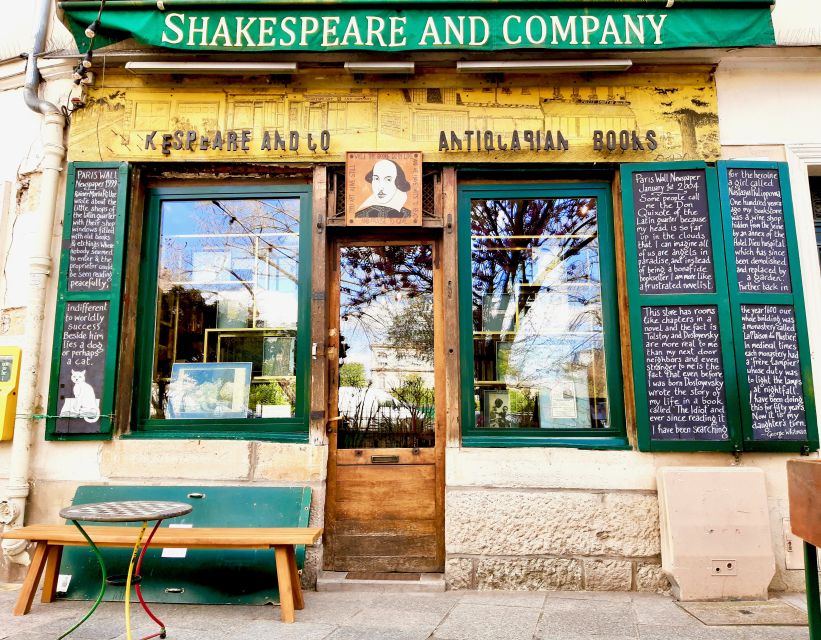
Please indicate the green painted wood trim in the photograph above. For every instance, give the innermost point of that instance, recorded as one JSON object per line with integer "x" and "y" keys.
{"x": 113, "y": 297}
{"x": 294, "y": 429}
{"x": 540, "y": 440}
{"x": 615, "y": 435}
{"x": 794, "y": 299}
{"x": 300, "y": 437}
{"x": 719, "y": 299}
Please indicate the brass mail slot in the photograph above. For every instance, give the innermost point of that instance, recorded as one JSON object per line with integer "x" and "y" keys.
{"x": 384, "y": 459}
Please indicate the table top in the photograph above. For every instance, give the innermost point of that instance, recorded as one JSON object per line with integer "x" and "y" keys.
{"x": 125, "y": 511}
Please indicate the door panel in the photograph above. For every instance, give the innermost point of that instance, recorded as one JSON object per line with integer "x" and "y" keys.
{"x": 385, "y": 465}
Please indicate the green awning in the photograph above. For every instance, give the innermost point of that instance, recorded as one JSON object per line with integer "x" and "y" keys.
{"x": 346, "y": 25}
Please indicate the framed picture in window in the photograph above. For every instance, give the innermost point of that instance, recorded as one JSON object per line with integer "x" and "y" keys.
{"x": 278, "y": 356}
{"x": 498, "y": 313}
{"x": 497, "y": 409}
{"x": 383, "y": 188}
{"x": 209, "y": 390}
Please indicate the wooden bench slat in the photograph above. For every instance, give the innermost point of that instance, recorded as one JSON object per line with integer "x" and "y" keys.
{"x": 204, "y": 538}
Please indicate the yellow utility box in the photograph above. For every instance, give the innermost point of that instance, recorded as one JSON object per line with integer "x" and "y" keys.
{"x": 9, "y": 381}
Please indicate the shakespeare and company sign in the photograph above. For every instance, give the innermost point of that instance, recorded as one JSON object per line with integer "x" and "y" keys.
{"x": 614, "y": 117}
{"x": 324, "y": 28}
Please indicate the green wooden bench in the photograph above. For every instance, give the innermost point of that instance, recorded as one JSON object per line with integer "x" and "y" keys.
{"x": 234, "y": 565}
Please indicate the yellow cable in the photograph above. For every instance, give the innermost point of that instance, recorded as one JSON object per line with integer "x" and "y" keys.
{"x": 128, "y": 583}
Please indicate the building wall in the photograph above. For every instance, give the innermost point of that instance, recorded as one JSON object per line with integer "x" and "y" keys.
{"x": 515, "y": 518}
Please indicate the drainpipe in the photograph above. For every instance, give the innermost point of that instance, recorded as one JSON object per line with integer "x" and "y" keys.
{"x": 13, "y": 507}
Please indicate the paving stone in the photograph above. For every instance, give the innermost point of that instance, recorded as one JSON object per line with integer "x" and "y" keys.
{"x": 488, "y": 622}
{"x": 381, "y": 618}
{"x": 651, "y": 609}
{"x": 454, "y": 615}
{"x": 250, "y": 630}
{"x": 531, "y": 599}
{"x": 595, "y": 596}
{"x": 775, "y": 633}
{"x": 696, "y": 632}
{"x": 370, "y": 633}
{"x": 569, "y": 619}
{"x": 434, "y": 603}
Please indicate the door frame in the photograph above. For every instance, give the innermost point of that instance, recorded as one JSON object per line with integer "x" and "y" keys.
{"x": 369, "y": 237}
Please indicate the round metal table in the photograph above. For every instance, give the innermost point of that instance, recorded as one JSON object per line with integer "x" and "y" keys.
{"x": 144, "y": 511}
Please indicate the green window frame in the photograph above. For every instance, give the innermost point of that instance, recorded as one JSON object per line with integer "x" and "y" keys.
{"x": 292, "y": 429}
{"x": 612, "y": 437}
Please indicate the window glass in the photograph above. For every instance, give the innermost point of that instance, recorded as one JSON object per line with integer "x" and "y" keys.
{"x": 226, "y": 316}
{"x": 386, "y": 375}
{"x": 538, "y": 338}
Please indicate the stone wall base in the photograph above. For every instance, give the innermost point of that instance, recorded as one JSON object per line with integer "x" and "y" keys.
{"x": 543, "y": 539}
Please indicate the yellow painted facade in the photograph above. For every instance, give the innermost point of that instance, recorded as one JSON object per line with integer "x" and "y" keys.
{"x": 126, "y": 115}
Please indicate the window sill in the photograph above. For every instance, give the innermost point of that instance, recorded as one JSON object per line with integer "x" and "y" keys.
{"x": 617, "y": 443}
{"x": 299, "y": 437}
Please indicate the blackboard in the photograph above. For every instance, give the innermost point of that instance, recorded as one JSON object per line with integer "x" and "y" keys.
{"x": 673, "y": 239}
{"x": 773, "y": 372}
{"x": 93, "y": 230}
{"x": 686, "y": 393}
{"x": 759, "y": 235}
{"x": 82, "y": 366}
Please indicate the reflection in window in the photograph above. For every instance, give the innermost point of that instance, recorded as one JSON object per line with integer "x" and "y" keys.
{"x": 538, "y": 338}
{"x": 226, "y": 321}
{"x": 386, "y": 376}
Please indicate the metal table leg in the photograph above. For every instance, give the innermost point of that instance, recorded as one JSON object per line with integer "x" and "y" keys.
{"x": 128, "y": 582}
{"x": 138, "y": 589}
{"x": 813, "y": 596}
{"x": 102, "y": 586}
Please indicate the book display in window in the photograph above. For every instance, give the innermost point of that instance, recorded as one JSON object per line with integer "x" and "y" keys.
{"x": 227, "y": 287}
{"x": 538, "y": 347}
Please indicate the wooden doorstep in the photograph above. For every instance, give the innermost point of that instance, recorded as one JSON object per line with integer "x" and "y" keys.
{"x": 201, "y": 538}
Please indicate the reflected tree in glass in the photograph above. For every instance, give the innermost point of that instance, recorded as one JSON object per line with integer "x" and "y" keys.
{"x": 386, "y": 315}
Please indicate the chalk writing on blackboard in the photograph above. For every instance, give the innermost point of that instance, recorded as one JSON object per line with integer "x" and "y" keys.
{"x": 773, "y": 372}
{"x": 82, "y": 366}
{"x": 685, "y": 376}
{"x": 673, "y": 232}
{"x": 93, "y": 228}
{"x": 759, "y": 236}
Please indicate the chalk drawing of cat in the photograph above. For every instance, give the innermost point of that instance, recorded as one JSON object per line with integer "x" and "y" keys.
{"x": 84, "y": 404}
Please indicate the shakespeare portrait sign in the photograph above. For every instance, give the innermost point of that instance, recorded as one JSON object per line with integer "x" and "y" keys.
{"x": 383, "y": 188}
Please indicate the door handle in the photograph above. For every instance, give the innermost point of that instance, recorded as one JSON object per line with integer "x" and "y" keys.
{"x": 329, "y": 427}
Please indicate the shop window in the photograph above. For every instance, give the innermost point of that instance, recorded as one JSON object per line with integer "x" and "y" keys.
{"x": 540, "y": 359}
{"x": 224, "y": 313}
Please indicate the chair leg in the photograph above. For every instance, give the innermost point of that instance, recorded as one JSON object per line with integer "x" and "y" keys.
{"x": 286, "y": 593}
{"x": 296, "y": 585}
{"x": 53, "y": 557}
{"x": 26, "y": 597}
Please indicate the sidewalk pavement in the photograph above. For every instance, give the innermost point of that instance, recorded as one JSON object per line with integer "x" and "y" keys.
{"x": 359, "y": 615}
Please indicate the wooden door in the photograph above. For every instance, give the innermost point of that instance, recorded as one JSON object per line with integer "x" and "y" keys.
{"x": 385, "y": 508}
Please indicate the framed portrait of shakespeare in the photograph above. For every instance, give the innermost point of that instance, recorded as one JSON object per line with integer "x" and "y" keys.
{"x": 383, "y": 188}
